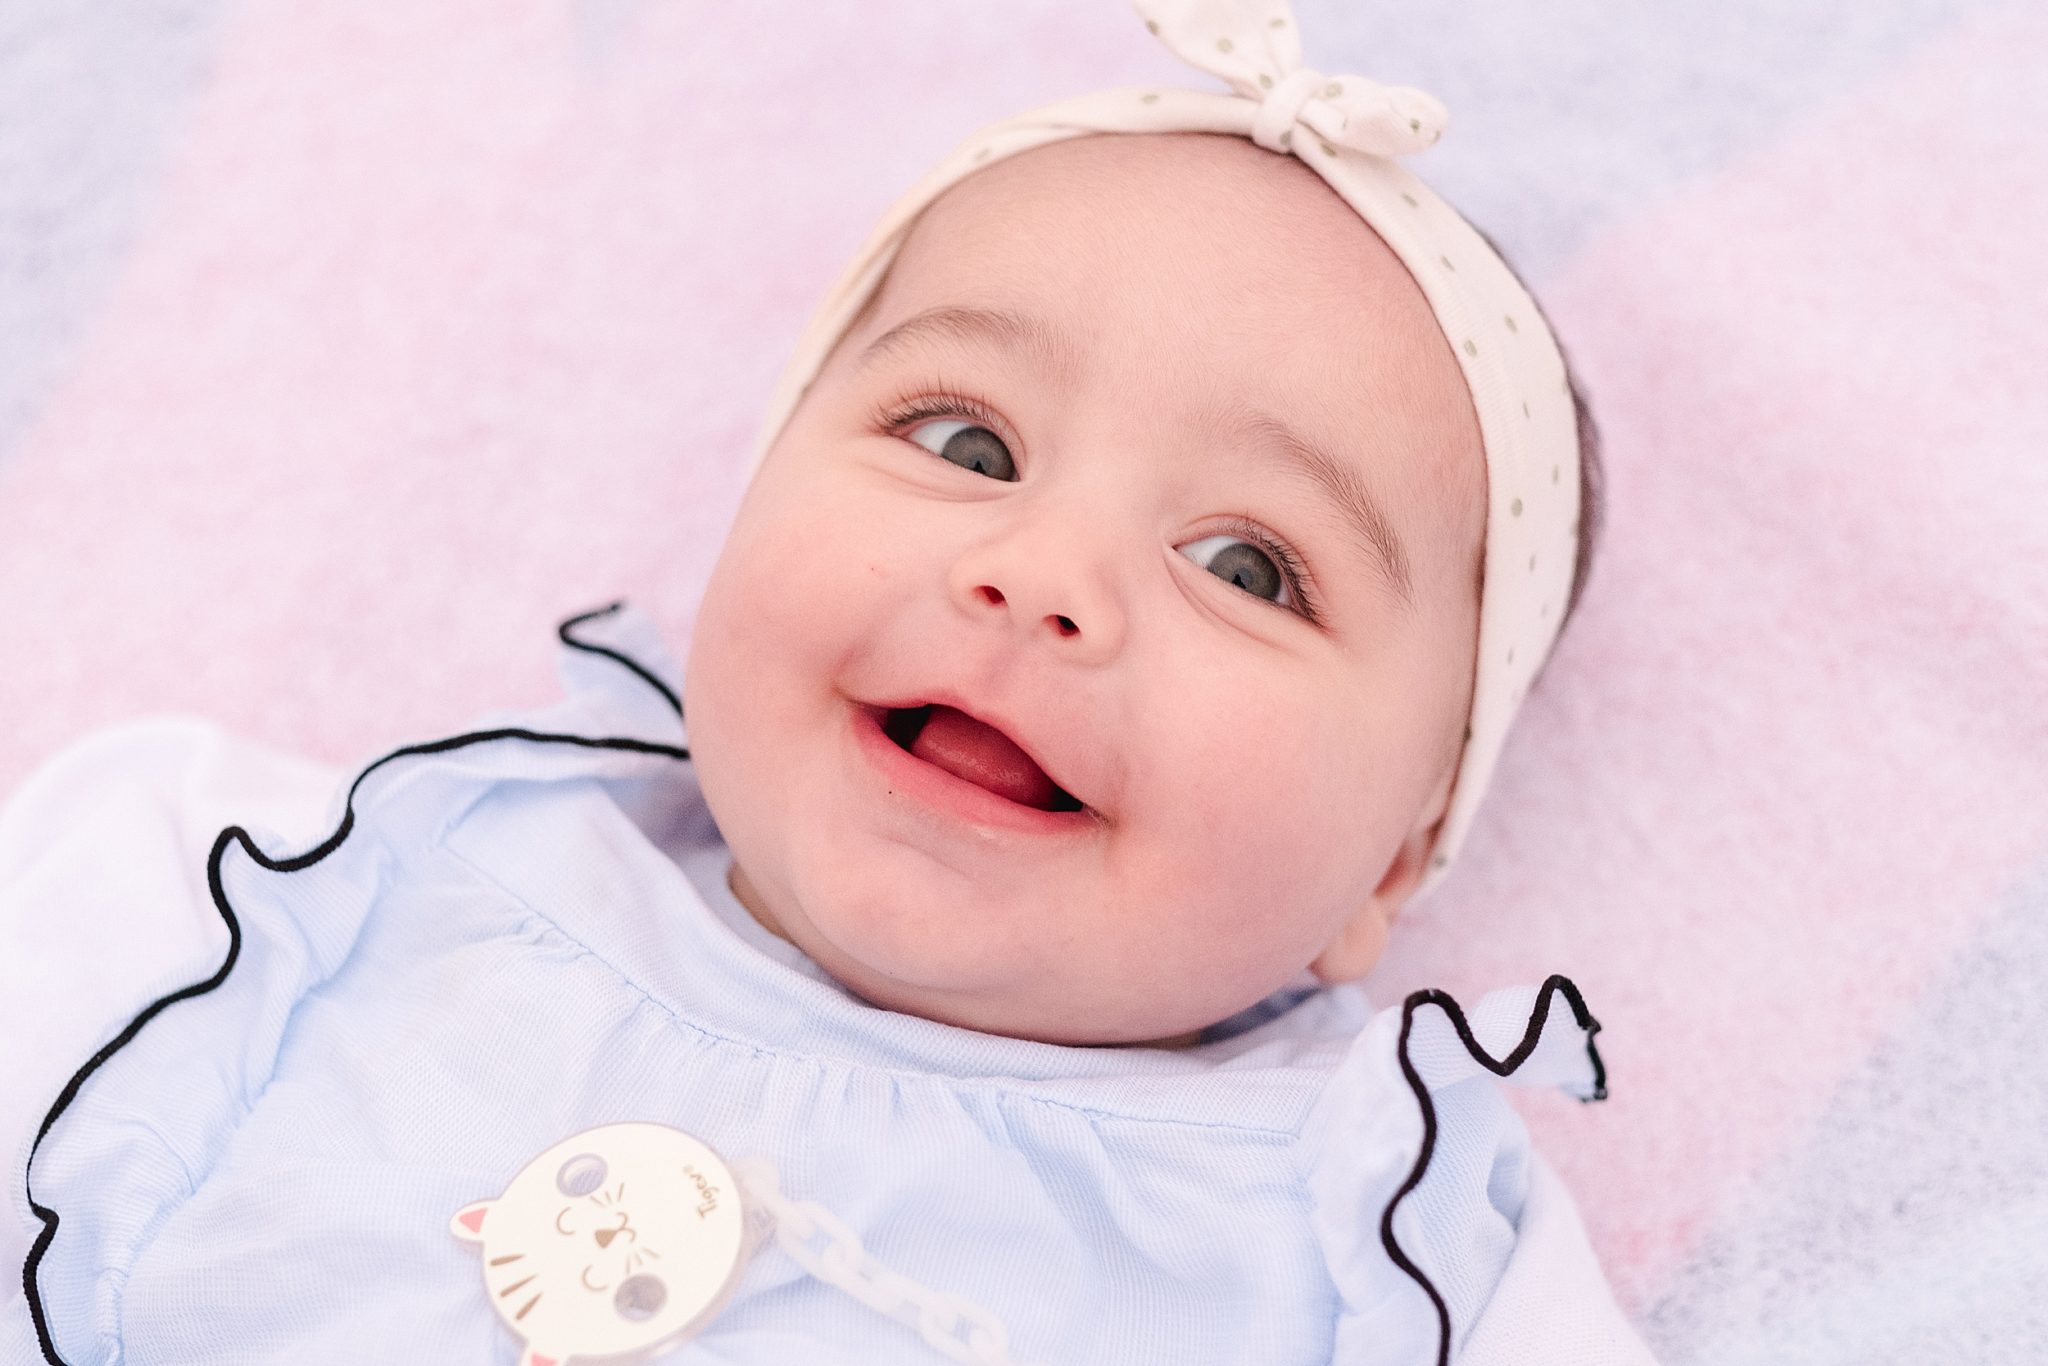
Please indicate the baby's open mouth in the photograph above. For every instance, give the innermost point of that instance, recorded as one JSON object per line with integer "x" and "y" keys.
{"x": 971, "y": 749}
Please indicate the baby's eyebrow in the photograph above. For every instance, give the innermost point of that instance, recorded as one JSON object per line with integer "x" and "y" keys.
{"x": 1373, "y": 536}
{"x": 1045, "y": 345}
{"x": 1372, "y": 531}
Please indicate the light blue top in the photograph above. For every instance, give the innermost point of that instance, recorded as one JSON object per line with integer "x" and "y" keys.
{"x": 516, "y": 937}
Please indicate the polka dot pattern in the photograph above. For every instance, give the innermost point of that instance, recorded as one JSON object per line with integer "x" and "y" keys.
{"x": 1358, "y": 132}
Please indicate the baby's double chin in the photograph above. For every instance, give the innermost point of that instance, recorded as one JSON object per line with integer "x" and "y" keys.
{"x": 745, "y": 893}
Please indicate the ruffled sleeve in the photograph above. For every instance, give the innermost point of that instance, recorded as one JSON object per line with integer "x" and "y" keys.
{"x": 1423, "y": 1189}
{"x": 257, "y": 923}
{"x": 105, "y": 908}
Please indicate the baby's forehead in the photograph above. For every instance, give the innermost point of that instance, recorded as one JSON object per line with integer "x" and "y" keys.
{"x": 1215, "y": 224}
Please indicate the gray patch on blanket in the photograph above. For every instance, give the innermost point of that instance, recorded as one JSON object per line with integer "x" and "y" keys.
{"x": 1569, "y": 116}
{"x": 603, "y": 28}
{"x": 92, "y": 97}
{"x": 1908, "y": 1227}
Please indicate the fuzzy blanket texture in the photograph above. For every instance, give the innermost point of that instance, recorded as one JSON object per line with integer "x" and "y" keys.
{"x": 345, "y": 349}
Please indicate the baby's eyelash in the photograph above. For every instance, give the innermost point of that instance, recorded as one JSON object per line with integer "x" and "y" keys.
{"x": 960, "y": 406}
{"x": 943, "y": 405}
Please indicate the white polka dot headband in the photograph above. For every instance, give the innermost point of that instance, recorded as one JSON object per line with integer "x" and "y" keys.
{"x": 1349, "y": 130}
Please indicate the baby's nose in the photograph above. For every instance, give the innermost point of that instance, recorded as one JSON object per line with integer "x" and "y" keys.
{"x": 1031, "y": 580}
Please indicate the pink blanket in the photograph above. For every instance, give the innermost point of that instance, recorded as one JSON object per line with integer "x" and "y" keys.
{"x": 353, "y": 346}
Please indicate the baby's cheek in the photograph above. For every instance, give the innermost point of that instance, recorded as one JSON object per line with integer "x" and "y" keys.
{"x": 1270, "y": 851}
{"x": 804, "y": 573}
{"x": 1223, "y": 891}
{"x": 1255, "y": 798}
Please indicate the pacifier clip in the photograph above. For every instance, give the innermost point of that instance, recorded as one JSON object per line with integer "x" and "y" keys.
{"x": 623, "y": 1240}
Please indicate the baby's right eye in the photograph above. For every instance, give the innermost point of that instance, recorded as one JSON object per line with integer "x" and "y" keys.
{"x": 972, "y": 447}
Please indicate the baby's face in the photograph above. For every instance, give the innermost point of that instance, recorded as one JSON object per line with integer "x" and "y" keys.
{"x": 1064, "y": 503}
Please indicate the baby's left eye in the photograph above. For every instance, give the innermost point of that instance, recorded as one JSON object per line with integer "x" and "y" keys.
{"x": 1245, "y": 563}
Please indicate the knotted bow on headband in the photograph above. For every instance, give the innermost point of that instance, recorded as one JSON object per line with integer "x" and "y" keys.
{"x": 1357, "y": 129}
{"x": 1260, "y": 57}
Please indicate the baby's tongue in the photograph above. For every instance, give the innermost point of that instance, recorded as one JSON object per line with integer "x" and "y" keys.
{"x": 984, "y": 756}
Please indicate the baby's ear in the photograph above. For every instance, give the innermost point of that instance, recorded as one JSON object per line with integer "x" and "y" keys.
{"x": 1357, "y": 947}
{"x": 468, "y": 1223}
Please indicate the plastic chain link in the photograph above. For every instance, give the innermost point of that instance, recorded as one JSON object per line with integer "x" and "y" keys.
{"x": 822, "y": 1244}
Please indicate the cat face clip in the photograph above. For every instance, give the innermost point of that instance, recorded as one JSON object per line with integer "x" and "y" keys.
{"x": 618, "y": 1241}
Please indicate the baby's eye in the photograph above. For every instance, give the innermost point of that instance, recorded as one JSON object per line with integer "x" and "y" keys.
{"x": 972, "y": 447}
{"x": 1247, "y": 564}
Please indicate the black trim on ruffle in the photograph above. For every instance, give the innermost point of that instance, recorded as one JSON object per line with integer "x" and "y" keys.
{"x": 236, "y": 834}
{"x": 562, "y": 631}
{"x": 1532, "y": 1034}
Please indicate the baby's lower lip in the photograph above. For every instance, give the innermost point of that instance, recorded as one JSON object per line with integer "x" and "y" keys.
{"x": 908, "y": 776}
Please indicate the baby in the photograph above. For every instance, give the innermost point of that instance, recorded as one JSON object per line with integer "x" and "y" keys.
{"x": 1099, "y": 657}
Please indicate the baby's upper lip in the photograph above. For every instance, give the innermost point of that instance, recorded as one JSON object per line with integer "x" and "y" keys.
{"x": 1006, "y": 722}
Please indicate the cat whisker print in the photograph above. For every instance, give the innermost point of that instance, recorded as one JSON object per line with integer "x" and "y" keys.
{"x": 592, "y": 1290}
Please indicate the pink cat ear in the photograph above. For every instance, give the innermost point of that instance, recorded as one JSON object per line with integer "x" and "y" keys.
{"x": 468, "y": 1223}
